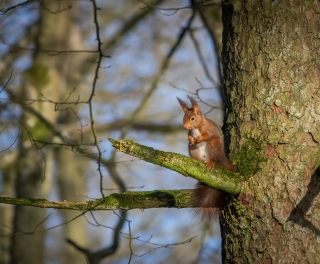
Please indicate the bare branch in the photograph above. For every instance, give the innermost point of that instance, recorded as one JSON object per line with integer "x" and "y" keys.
{"x": 163, "y": 68}
{"x": 95, "y": 257}
{"x": 4, "y": 87}
{"x": 14, "y": 141}
{"x": 139, "y": 125}
{"x": 94, "y": 84}
{"x": 202, "y": 60}
{"x": 49, "y": 52}
{"x": 212, "y": 19}
{"x": 175, "y": 9}
{"x": 3, "y": 11}
{"x": 54, "y": 12}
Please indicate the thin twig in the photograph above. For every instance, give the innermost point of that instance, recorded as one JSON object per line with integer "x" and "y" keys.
{"x": 93, "y": 90}
{"x": 202, "y": 60}
{"x": 15, "y": 140}
{"x": 3, "y": 11}
{"x": 4, "y": 87}
{"x": 175, "y": 9}
{"x": 163, "y": 68}
{"x": 49, "y": 52}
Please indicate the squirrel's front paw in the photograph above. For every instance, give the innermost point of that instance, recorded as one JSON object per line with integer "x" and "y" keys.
{"x": 191, "y": 140}
{"x": 210, "y": 164}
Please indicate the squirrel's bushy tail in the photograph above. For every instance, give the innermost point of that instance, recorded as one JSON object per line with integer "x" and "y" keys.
{"x": 207, "y": 201}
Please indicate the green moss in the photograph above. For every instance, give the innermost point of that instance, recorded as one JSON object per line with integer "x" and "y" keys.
{"x": 249, "y": 157}
{"x": 36, "y": 200}
{"x": 153, "y": 199}
{"x": 39, "y": 75}
{"x": 237, "y": 5}
{"x": 216, "y": 178}
{"x": 33, "y": 201}
{"x": 215, "y": 14}
{"x": 40, "y": 132}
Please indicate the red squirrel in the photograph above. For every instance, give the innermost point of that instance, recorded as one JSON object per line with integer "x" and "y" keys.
{"x": 205, "y": 144}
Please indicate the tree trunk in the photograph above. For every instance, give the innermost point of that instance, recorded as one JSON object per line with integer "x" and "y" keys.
{"x": 272, "y": 81}
{"x": 35, "y": 164}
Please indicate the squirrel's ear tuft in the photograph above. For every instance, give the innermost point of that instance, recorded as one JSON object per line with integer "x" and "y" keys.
{"x": 183, "y": 104}
{"x": 195, "y": 107}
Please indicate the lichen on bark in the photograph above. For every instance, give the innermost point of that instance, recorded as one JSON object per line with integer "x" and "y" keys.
{"x": 272, "y": 80}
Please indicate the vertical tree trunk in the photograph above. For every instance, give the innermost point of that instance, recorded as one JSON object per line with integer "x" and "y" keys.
{"x": 271, "y": 71}
{"x": 71, "y": 174}
{"x": 34, "y": 168}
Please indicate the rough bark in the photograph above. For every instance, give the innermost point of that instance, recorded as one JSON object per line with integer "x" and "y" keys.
{"x": 271, "y": 73}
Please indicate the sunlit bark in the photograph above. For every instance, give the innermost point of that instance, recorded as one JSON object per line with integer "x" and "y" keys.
{"x": 271, "y": 72}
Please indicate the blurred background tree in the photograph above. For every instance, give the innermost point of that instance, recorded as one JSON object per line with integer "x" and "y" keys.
{"x": 74, "y": 73}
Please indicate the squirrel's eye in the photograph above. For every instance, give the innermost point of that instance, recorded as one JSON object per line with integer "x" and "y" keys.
{"x": 192, "y": 118}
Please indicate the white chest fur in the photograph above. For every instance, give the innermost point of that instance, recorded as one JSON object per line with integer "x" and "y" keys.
{"x": 195, "y": 133}
{"x": 201, "y": 147}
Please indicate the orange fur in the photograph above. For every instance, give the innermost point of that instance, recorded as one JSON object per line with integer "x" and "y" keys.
{"x": 205, "y": 144}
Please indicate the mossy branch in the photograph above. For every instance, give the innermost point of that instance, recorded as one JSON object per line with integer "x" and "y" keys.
{"x": 115, "y": 201}
{"x": 218, "y": 178}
